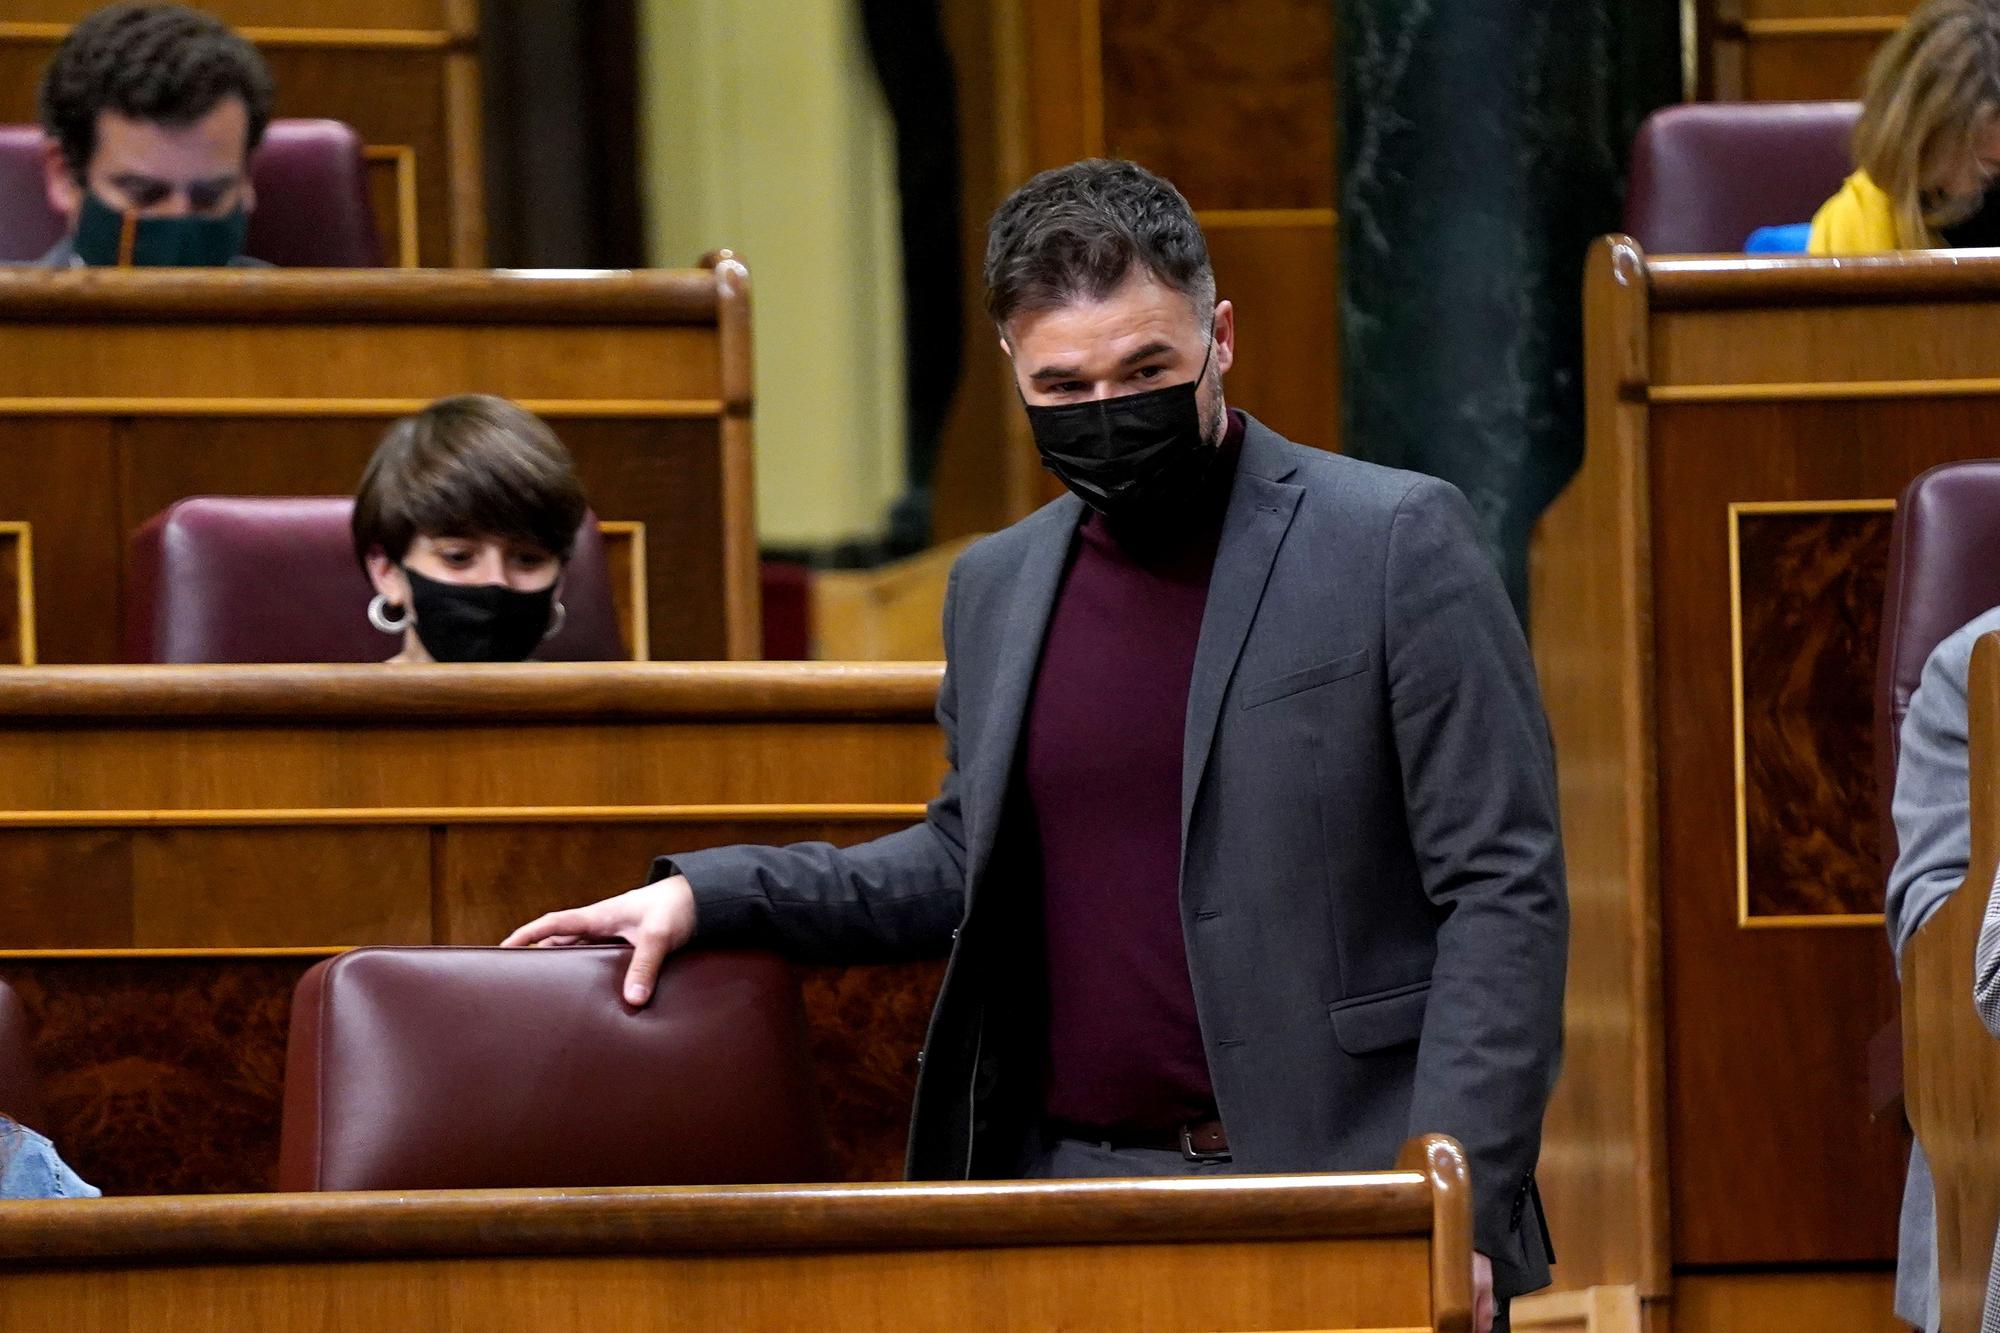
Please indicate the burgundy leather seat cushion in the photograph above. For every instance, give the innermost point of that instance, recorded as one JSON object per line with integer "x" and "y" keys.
{"x": 20, "y": 1090}
{"x": 1944, "y": 569}
{"x": 450, "y": 1068}
{"x": 260, "y": 579}
{"x": 313, "y": 206}
{"x": 1706, "y": 174}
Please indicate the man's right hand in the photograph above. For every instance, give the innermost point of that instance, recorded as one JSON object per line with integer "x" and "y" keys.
{"x": 656, "y": 920}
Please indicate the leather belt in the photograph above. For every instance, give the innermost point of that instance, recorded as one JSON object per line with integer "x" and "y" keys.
{"x": 1195, "y": 1140}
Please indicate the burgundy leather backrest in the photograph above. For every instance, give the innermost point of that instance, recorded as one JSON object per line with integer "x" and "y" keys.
{"x": 20, "y": 1090}
{"x": 258, "y": 579}
{"x": 28, "y": 226}
{"x": 313, "y": 206}
{"x": 1944, "y": 569}
{"x": 1705, "y": 175}
{"x": 449, "y": 1068}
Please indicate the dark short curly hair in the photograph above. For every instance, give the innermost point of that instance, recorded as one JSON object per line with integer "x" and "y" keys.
{"x": 1075, "y": 233}
{"x": 469, "y": 466}
{"x": 163, "y": 63}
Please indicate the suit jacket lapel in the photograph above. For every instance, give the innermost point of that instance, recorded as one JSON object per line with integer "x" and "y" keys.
{"x": 1260, "y": 512}
{"x": 990, "y": 762}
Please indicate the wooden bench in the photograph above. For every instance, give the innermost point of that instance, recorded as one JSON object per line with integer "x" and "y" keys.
{"x": 121, "y": 392}
{"x": 1383, "y": 1252}
{"x": 177, "y": 845}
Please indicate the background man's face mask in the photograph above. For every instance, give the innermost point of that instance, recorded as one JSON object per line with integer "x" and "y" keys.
{"x": 486, "y": 622}
{"x": 1132, "y": 456}
{"x": 107, "y": 238}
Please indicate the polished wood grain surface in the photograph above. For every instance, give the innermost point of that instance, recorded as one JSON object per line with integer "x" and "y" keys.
{"x": 178, "y": 843}
{"x": 503, "y": 693}
{"x": 1789, "y": 50}
{"x": 1188, "y": 84}
{"x": 1848, "y": 1302}
{"x": 368, "y": 296}
{"x": 722, "y": 1219}
{"x": 126, "y": 391}
{"x": 1951, "y": 1062}
{"x": 1604, "y": 1151}
{"x": 385, "y": 67}
{"x": 17, "y": 594}
{"x": 1380, "y": 1251}
{"x": 1589, "y": 1310}
{"x": 1328, "y": 1287}
{"x": 1782, "y": 401}
{"x": 1807, "y": 590}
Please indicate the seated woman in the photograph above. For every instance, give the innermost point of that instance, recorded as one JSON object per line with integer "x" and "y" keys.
{"x": 30, "y": 1169}
{"x": 464, "y": 520}
{"x": 1928, "y": 141}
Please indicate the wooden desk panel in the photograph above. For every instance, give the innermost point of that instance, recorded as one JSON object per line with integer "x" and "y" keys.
{"x": 177, "y": 845}
{"x": 1706, "y": 597}
{"x": 123, "y": 392}
{"x": 1387, "y": 1252}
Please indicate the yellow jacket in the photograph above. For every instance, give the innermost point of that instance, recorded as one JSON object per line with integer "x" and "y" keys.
{"x": 1858, "y": 220}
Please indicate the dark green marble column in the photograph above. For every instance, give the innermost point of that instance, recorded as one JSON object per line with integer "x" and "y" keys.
{"x": 1481, "y": 148}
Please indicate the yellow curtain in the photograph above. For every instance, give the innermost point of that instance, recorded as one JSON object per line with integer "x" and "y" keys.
{"x": 765, "y": 130}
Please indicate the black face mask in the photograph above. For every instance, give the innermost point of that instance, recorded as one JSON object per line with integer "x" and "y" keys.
{"x": 1136, "y": 458}
{"x": 1979, "y": 229}
{"x": 484, "y": 623}
{"x": 105, "y": 237}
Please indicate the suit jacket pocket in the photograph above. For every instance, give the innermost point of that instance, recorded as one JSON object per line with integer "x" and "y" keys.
{"x": 1377, "y": 1021}
{"x": 1296, "y": 682}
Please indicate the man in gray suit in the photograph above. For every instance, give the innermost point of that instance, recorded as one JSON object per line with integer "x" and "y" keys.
{"x": 1248, "y": 855}
{"x": 152, "y": 112}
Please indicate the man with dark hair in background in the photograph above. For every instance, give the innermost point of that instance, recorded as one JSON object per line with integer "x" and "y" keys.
{"x": 1247, "y": 858}
{"x": 152, "y": 112}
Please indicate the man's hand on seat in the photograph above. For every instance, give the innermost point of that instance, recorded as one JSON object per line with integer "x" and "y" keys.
{"x": 655, "y": 920}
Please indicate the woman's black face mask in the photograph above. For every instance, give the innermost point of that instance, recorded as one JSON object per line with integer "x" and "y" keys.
{"x": 1979, "y": 229}
{"x": 1133, "y": 457}
{"x": 487, "y": 622}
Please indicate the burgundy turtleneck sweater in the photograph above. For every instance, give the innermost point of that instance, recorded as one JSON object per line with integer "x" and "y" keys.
{"x": 1103, "y": 771}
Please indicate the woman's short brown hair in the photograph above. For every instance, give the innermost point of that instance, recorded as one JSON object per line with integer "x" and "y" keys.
{"x": 469, "y": 466}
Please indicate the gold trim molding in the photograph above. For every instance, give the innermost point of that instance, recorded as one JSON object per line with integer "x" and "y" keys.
{"x": 1782, "y": 29}
{"x": 17, "y": 31}
{"x": 1227, "y": 219}
{"x": 1744, "y": 920}
{"x": 1836, "y": 390}
{"x": 635, "y": 408}
{"x": 403, "y": 159}
{"x": 305, "y": 817}
{"x": 24, "y": 591}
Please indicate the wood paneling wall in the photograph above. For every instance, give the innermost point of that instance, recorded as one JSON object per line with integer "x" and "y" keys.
{"x": 1790, "y": 50}
{"x": 1233, "y": 101}
{"x": 404, "y": 73}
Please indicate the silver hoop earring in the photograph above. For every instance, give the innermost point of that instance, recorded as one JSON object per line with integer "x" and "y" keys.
{"x": 555, "y": 627}
{"x": 378, "y": 616}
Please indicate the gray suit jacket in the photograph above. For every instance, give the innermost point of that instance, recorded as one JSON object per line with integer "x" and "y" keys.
{"x": 1931, "y": 807}
{"x": 1372, "y": 886}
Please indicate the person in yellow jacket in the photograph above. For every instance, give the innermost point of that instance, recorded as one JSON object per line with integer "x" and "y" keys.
{"x": 1928, "y": 141}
